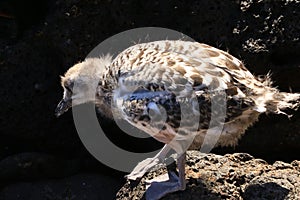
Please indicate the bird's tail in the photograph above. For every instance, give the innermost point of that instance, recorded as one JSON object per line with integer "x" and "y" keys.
{"x": 282, "y": 102}
{"x": 271, "y": 100}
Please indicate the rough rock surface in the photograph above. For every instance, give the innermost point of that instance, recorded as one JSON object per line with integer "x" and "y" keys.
{"x": 232, "y": 176}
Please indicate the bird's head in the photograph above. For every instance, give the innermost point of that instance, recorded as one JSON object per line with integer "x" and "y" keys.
{"x": 80, "y": 83}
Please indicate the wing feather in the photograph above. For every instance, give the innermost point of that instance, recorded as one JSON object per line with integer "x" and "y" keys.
{"x": 171, "y": 71}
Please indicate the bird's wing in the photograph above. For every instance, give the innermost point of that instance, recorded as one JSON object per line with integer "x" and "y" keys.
{"x": 150, "y": 69}
{"x": 181, "y": 76}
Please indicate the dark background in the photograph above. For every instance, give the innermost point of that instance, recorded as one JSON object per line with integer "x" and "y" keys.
{"x": 40, "y": 40}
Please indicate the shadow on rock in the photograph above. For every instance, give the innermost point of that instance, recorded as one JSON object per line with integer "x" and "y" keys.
{"x": 265, "y": 191}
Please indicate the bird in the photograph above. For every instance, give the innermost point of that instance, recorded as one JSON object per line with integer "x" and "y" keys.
{"x": 167, "y": 89}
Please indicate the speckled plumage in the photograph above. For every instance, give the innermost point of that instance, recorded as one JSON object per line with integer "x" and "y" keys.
{"x": 185, "y": 68}
{"x": 150, "y": 81}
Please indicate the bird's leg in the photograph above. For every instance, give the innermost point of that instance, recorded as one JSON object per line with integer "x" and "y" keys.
{"x": 181, "y": 171}
{"x": 147, "y": 164}
{"x": 175, "y": 183}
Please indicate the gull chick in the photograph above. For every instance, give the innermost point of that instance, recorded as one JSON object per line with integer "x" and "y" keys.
{"x": 149, "y": 84}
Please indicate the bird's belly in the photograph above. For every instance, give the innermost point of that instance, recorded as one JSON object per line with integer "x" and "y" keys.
{"x": 229, "y": 134}
{"x": 165, "y": 135}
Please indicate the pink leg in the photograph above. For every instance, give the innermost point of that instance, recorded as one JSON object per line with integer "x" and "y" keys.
{"x": 175, "y": 183}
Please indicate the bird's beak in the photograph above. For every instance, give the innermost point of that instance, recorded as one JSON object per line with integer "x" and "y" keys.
{"x": 63, "y": 107}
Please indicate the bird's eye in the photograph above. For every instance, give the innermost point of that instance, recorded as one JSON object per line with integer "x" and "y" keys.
{"x": 68, "y": 89}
